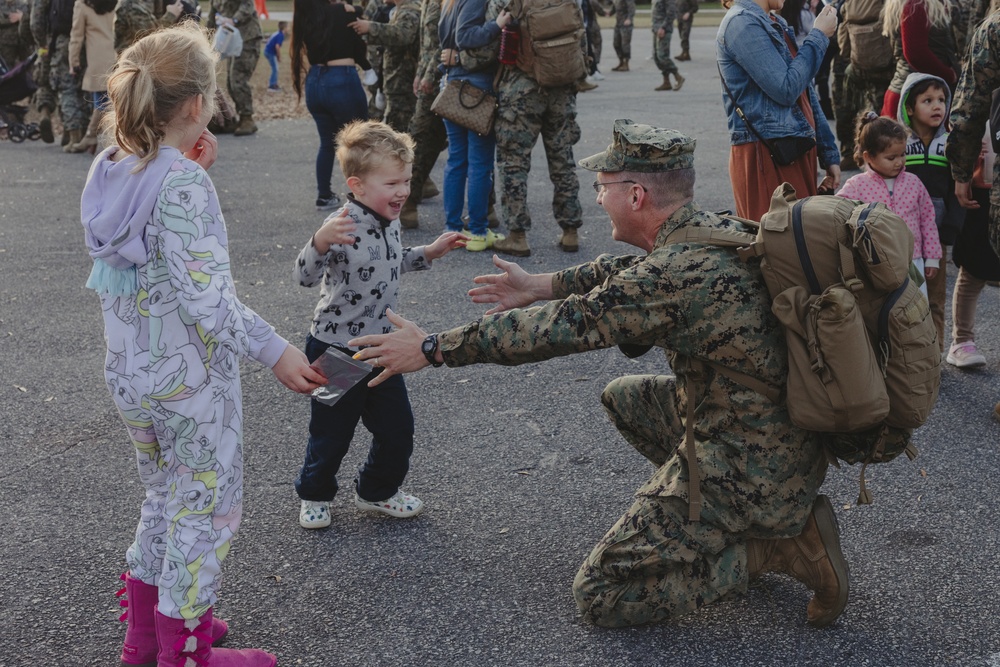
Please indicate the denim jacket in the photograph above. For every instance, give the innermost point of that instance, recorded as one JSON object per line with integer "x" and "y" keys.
{"x": 766, "y": 81}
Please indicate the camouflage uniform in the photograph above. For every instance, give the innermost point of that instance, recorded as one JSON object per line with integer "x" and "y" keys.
{"x": 689, "y": 7}
{"x": 427, "y": 128}
{"x": 760, "y": 473}
{"x": 971, "y": 110}
{"x": 378, "y": 11}
{"x": 74, "y": 110}
{"x": 45, "y": 97}
{"x": 623, "y": 10}
{"x": 244, "y": 14}
{"x": 13, "y": 47}
{"x": 664, "y": 13}
{"x": 526, "y": 110}
{"x": 134, "y": 19}
{"x": 401, "y": 39}
{"x": 594, "y": 40}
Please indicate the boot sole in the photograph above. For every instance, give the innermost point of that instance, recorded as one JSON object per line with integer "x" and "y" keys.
{"x": 826, "y": 524}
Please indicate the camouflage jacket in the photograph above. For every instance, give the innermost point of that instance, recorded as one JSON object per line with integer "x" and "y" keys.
{"x": 8, "y": 7}
{"x": 687, "y": 7}
{"x": 371, "y": 13}
{"x": 622, "y": 9}
{"x": 39, "y": 22}
{"x": 664, "y": 14}
{"x": 242, "y": 12}
{"x": 401, "y": 39}
{"x": 695, "y": 302}
{"x": 133, "y": 19}
{"x": 430, "y": 43}
{"x": 971, "y": 107}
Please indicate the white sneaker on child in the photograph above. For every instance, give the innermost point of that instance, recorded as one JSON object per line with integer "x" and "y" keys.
{"x": 965, "y": 355}
{"x": 402, "y": 505}
{"x": 314, "y": 514}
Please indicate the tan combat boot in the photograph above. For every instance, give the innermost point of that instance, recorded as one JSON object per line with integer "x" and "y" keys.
{"x": 70, "y": 138}
{"x": 684, "y": 55}
{"x": 814, "y": 558}
{"x": 678, "y": 80}
{"x": 408, "y": 218}
{"x": 569, "y": 241}
{"x": 515, "y": 244}
{"x": 246, "y": 126}
{"x": 622, "y": 65}
{"x": 45, "y": 126}
{"x": 491, "y": 217}
{"x": 666, "y": 83}
{"x": 429, "y": 190}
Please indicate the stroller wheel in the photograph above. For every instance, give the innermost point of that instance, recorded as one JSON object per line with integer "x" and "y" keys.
{"x": 33, "y": 132}
{"x": 17, "y": 132}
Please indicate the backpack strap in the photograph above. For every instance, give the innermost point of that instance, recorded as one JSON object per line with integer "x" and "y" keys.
{"x": 746, "y": 245}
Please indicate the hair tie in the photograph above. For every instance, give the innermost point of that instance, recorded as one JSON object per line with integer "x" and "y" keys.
{"x": 870, "y": 116}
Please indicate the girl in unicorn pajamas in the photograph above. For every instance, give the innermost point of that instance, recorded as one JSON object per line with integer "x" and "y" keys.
{"x": 175, "y": 332}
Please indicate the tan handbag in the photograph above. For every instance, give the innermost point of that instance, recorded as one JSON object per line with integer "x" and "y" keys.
{"x": 465, "y": 104}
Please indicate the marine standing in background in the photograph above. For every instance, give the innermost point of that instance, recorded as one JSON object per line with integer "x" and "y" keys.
{"x": 13, "y": 47}
{"x": 624, "y": 13}
{"x": 73, "y": 107}
{"x": 526, "y": 110}
{"x": 664, "y": 13}
{"x": 400, "y": 38}
{"x": 243, "y": 15}
{"x": 426, "y": 127}
{"x": 45, "y": 97}
{"x": 685, "y": 18}
{"x": 137, "y": 18}
{"x": 378, "y": 11}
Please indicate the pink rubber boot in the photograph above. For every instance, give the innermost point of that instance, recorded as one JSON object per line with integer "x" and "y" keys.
{"x": 185, "y": 642}
{"x": 140, "y": 633}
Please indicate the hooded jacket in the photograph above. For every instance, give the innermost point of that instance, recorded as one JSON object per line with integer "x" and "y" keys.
{"x": 930, "y": 164}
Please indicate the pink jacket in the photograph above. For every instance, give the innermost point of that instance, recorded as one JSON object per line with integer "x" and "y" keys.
{"x": 909, "y": 200}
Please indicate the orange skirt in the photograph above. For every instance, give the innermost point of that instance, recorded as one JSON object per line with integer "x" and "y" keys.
{"x": 755, "y": 177}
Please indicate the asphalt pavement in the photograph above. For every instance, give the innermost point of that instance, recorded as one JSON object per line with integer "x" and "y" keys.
{"x": 520, "y": 470}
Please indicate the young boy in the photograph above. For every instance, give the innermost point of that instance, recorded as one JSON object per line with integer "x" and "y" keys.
{"x": 357, "y": 255}
{"x": 272, "y": 51}
{"x": 924, "y": 106}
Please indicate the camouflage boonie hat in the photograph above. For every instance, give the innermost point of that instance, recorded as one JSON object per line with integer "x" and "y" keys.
{"x": 643, "y": 148}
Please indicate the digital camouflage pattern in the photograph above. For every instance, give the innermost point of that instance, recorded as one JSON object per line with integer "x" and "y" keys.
{"x": 971, "y": 110}
{"x": 664, "y": 13}
{"x": 426, "y": 127}
{"x": 400, "y": 38}
{"x": 525, "y": 111}
{"x": 375, "y": 10}
{"x": 14, "y": 42}
{"x": 240, "y": 68}
{"x": 45, "y": 97}
{"x": 135, "y": 19}
{"x": 689, "y": 8}
{"x": 760, "y": 474}
{"x": 623, "y": 10}
{"x": 74, "y": 110}
{"x": 643, "y": 148}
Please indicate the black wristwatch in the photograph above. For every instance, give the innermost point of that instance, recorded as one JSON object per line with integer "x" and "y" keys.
{"x": 430, "y": 347}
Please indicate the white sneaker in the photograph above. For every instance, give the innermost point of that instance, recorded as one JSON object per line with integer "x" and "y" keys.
{"x": 597, "y": 75}
{"x": 401, "y": 505}
{"x": 965, "y": 355}
{"x": 314, "y": 514}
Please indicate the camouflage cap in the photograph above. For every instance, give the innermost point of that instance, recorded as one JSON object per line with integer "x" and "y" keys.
{"x": 643, "y": 148}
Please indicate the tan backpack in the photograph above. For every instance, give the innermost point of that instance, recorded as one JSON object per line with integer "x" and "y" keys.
{"x": 551, "y": 50}
{"x": 863, "y": 355}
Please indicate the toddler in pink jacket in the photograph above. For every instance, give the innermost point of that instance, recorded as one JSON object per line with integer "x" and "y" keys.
{"x": 881, "y": 145}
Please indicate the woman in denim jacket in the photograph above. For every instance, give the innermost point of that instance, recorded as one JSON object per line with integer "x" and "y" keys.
{"x": 774, "y": 90}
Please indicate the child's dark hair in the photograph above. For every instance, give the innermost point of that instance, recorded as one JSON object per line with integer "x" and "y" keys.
{"x": 874, "y": 134}
{"x": 282, "y": 25}
{"x": 921, "y": 87}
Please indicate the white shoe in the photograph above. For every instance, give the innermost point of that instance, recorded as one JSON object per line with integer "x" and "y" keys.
{"x": 402, "y": 505}
{"x": 965, "y": 355}
{"x": 314, "y": 514}
{"x": 597, "y": 75}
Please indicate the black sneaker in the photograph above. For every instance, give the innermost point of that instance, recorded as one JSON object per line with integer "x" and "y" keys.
{"x": 327, "y": 203}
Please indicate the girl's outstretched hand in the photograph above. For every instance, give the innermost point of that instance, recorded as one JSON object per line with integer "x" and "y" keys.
{"x": 444, "y": 244}
{"x": 205, "y": 150}
{"x": 293, "y": 371}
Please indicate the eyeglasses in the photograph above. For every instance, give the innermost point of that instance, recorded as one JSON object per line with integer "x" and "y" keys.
{"x": 598, "y": 186}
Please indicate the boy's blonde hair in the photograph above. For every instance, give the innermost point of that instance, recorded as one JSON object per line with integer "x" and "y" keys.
{"x": 150, "y": 82}
{"x": 364, "y": 145}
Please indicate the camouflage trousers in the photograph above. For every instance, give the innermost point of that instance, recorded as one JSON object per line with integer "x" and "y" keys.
{"x": 400, "y": 107}
{"x": 13, "y": 49}
{"x": 427, "y": 130}
{"x": 623, "y": 41}
{"x": 73, "y": 107}
{"x": 684, "y": 32}
{"x": 239, "y": 71}
{"x": 661, "y": 52}
{"x": 861, "y": 91}
{"x": 45, "y": 97}
{"x": 525, "y": 111}
{"x": 595, "y": 41}
{"x": 654, "y": 564}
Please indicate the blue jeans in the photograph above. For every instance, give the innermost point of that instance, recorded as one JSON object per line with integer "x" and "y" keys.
{"x": 385, "y": 412}
{"x": 470, "y": 163}
{"x": 272, "y": 60}
{"x": 334, "y": 97}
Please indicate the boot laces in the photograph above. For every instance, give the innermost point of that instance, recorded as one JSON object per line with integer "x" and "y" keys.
{"x": 123, "y": 602}
{"x": 203, "y": 637}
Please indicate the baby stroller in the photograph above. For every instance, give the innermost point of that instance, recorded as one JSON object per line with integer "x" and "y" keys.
{"x": 15, "y": 85}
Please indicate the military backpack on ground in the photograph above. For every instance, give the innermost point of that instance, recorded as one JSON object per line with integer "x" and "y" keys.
{"x": 551, "y": 50}
{"x": 863, "y": 355}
